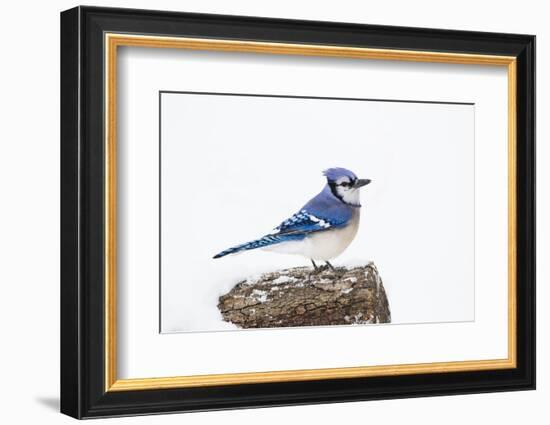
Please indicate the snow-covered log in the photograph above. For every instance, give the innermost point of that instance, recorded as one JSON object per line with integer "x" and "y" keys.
{"x": 302, "y": 297}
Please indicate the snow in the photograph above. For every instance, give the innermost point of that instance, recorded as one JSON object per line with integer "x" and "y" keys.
{"x": 261, "y": 296}
{"x": 284, "y": 279}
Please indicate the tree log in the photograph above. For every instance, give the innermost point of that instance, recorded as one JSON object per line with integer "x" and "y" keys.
{"x": 303, "y": 297}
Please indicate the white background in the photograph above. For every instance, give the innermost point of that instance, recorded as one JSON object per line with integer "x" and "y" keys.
{"x": 230, "y": 174}
{"x": 29, "y": 171}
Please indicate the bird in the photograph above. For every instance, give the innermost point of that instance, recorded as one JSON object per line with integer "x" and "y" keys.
{"x": 323, "y": 228}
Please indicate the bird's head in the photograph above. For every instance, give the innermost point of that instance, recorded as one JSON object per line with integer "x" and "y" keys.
{"x": 345, "y": 185}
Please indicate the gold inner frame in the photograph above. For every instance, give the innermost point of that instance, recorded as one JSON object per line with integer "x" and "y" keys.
{"x": 113, "y": 41}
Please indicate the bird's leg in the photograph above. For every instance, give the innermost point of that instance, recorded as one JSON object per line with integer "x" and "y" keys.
{"x": 316, "y": 270}
{"x": 337, "y": 273}
{"x": 330, "y": 265}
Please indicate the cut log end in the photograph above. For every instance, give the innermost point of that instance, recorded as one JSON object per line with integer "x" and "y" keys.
{"x": 301, "y": 297}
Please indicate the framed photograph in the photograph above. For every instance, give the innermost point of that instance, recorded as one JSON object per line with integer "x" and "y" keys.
{"x": 261, "y": 212}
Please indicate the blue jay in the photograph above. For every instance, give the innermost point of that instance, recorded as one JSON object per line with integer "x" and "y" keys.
{"x": 323, "y": 228}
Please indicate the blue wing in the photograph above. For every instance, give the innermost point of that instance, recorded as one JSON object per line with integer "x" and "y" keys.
{"x": 304, "y": 222}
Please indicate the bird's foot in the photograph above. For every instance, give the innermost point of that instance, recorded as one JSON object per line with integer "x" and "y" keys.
{"x": 331, "y": 271}
{"x": 318, "y": 270}
{"x": 334, "y": 272}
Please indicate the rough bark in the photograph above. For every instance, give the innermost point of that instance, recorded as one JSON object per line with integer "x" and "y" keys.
{"x": 301, "y": 297}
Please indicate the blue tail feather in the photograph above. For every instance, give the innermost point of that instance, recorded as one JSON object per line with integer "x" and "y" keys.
{"x": 260, "y": 243}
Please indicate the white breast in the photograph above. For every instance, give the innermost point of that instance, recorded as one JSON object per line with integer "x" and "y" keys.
{"x": 329, "y": 244}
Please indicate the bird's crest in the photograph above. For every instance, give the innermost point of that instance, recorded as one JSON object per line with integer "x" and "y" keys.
{"x": 335, "y": 173}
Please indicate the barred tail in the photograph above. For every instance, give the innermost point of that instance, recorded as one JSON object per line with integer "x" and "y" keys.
{"x": 259, "y": 243}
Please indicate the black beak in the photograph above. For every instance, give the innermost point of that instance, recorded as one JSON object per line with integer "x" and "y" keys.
{"x": 360, "y": 183}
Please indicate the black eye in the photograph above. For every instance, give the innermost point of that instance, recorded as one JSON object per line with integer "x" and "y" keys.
{"x": 345, "y": 184}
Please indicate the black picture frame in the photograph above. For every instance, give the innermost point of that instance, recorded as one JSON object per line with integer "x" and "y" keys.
{"x": 83, "y": 392}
